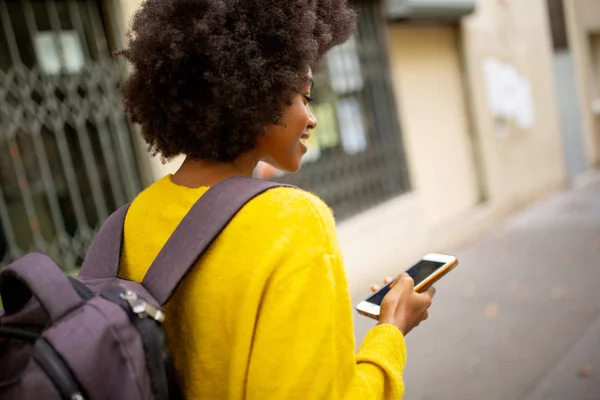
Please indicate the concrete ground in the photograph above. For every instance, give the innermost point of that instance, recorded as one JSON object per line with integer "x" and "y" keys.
{"x": 519, "y": 318}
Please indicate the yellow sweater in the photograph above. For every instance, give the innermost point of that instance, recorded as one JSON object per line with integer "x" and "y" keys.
{"x": 266, "y": 313}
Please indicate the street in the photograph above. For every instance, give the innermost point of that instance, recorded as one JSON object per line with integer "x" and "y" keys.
{"x": 519, "y": 318}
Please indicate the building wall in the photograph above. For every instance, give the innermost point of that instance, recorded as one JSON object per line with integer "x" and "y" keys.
{"x": 128, "y": 8}
{"x": 458, "y": 150}
{"x": 583, "y": 26}
{"x": 518, "y": 162}
{"x": 428, "y": 78}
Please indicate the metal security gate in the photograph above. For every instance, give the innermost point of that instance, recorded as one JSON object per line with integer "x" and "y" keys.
{"x": 356, "y": 159}
{"x": 67, "y": 159}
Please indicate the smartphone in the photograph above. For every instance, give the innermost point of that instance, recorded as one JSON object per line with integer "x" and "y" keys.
{"x": 425, "y": 273}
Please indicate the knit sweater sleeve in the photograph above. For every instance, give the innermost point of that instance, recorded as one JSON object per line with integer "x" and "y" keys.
{"x": 303, "y": 346}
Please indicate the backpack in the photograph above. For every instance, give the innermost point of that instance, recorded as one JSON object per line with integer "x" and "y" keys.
{"x": 97, "y": 336}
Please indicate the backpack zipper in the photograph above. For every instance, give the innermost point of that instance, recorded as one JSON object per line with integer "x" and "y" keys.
{"x": 141, "y": 308}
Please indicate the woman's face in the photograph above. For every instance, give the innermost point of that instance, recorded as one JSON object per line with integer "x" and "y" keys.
{"x": 284, "y": 144}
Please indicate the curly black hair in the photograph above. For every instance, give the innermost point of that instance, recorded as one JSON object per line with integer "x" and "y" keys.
{"x": 209, "y": 74}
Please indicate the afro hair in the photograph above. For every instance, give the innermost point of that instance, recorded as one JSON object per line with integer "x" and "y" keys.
{"x": 208, "y": 75}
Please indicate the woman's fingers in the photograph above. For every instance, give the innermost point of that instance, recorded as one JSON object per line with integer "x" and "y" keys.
{"x": 431, "y": 291}
{"x": 374, "y": 288}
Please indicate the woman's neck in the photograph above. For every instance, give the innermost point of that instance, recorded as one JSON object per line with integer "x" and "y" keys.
{"x": 197, "y": 173}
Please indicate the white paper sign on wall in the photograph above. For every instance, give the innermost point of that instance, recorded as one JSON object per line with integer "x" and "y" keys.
{"x": 508, "y": 93}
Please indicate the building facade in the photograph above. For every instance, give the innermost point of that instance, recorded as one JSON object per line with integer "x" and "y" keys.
{"x": 582, "y": 20}
{"x": 434, "y": 123}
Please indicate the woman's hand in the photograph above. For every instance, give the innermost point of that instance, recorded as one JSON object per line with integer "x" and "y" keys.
{"x": 374, "y": 287}
{"x": 402, "y": 306}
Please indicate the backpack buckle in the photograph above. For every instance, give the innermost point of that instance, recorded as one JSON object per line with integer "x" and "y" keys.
{"x": 141, "y": 308}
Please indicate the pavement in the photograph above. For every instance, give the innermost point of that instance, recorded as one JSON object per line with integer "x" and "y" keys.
{"x": 519, "y": 318}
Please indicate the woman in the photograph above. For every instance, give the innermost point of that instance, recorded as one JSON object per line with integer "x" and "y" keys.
{"x": 266, "y": 313}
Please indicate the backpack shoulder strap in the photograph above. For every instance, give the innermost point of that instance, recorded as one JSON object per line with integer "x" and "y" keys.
{"x": 104, "y": 255}
{"x": 198, "y": 229}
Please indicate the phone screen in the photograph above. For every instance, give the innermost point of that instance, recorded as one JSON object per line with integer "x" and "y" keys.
{"x": 419, "y": 272}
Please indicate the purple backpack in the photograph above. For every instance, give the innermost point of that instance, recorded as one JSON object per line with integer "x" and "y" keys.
{"x": 98, "y": 336}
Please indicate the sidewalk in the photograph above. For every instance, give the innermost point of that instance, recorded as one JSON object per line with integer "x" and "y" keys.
{"x": 519, "y": 319}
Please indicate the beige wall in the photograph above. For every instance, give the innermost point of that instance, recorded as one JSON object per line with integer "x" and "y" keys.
{"x": 428, "y": 82}
{"x": 128, "y": 7}
{"x": 439, "y": 118}
{"x": 583, "y": 27}
{"x": 588, "y": 12}
{"x": 427, "y": 63}
{"x": 518, "y": 163}
{"x": 448, "y": 128}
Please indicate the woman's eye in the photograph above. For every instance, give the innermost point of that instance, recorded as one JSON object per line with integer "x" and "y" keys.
{"x": 308, "y": 99}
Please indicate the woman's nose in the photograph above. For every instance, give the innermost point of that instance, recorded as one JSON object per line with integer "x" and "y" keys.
{"x": 312, "y": 120}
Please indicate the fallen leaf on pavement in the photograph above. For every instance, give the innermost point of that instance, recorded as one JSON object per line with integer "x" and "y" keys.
{"x": 585, "y": 371}
{"x": 491, "y": 310}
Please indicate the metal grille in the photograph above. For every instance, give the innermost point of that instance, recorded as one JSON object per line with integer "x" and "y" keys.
{"x": 353, "y": 95}
{"x": 66, "y": 154}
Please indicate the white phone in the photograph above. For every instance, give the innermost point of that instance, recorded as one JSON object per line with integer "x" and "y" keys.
{"x": 425, "y": 273}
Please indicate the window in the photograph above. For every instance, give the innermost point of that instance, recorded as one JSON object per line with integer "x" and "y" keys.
{"x": 355, "y": 157}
